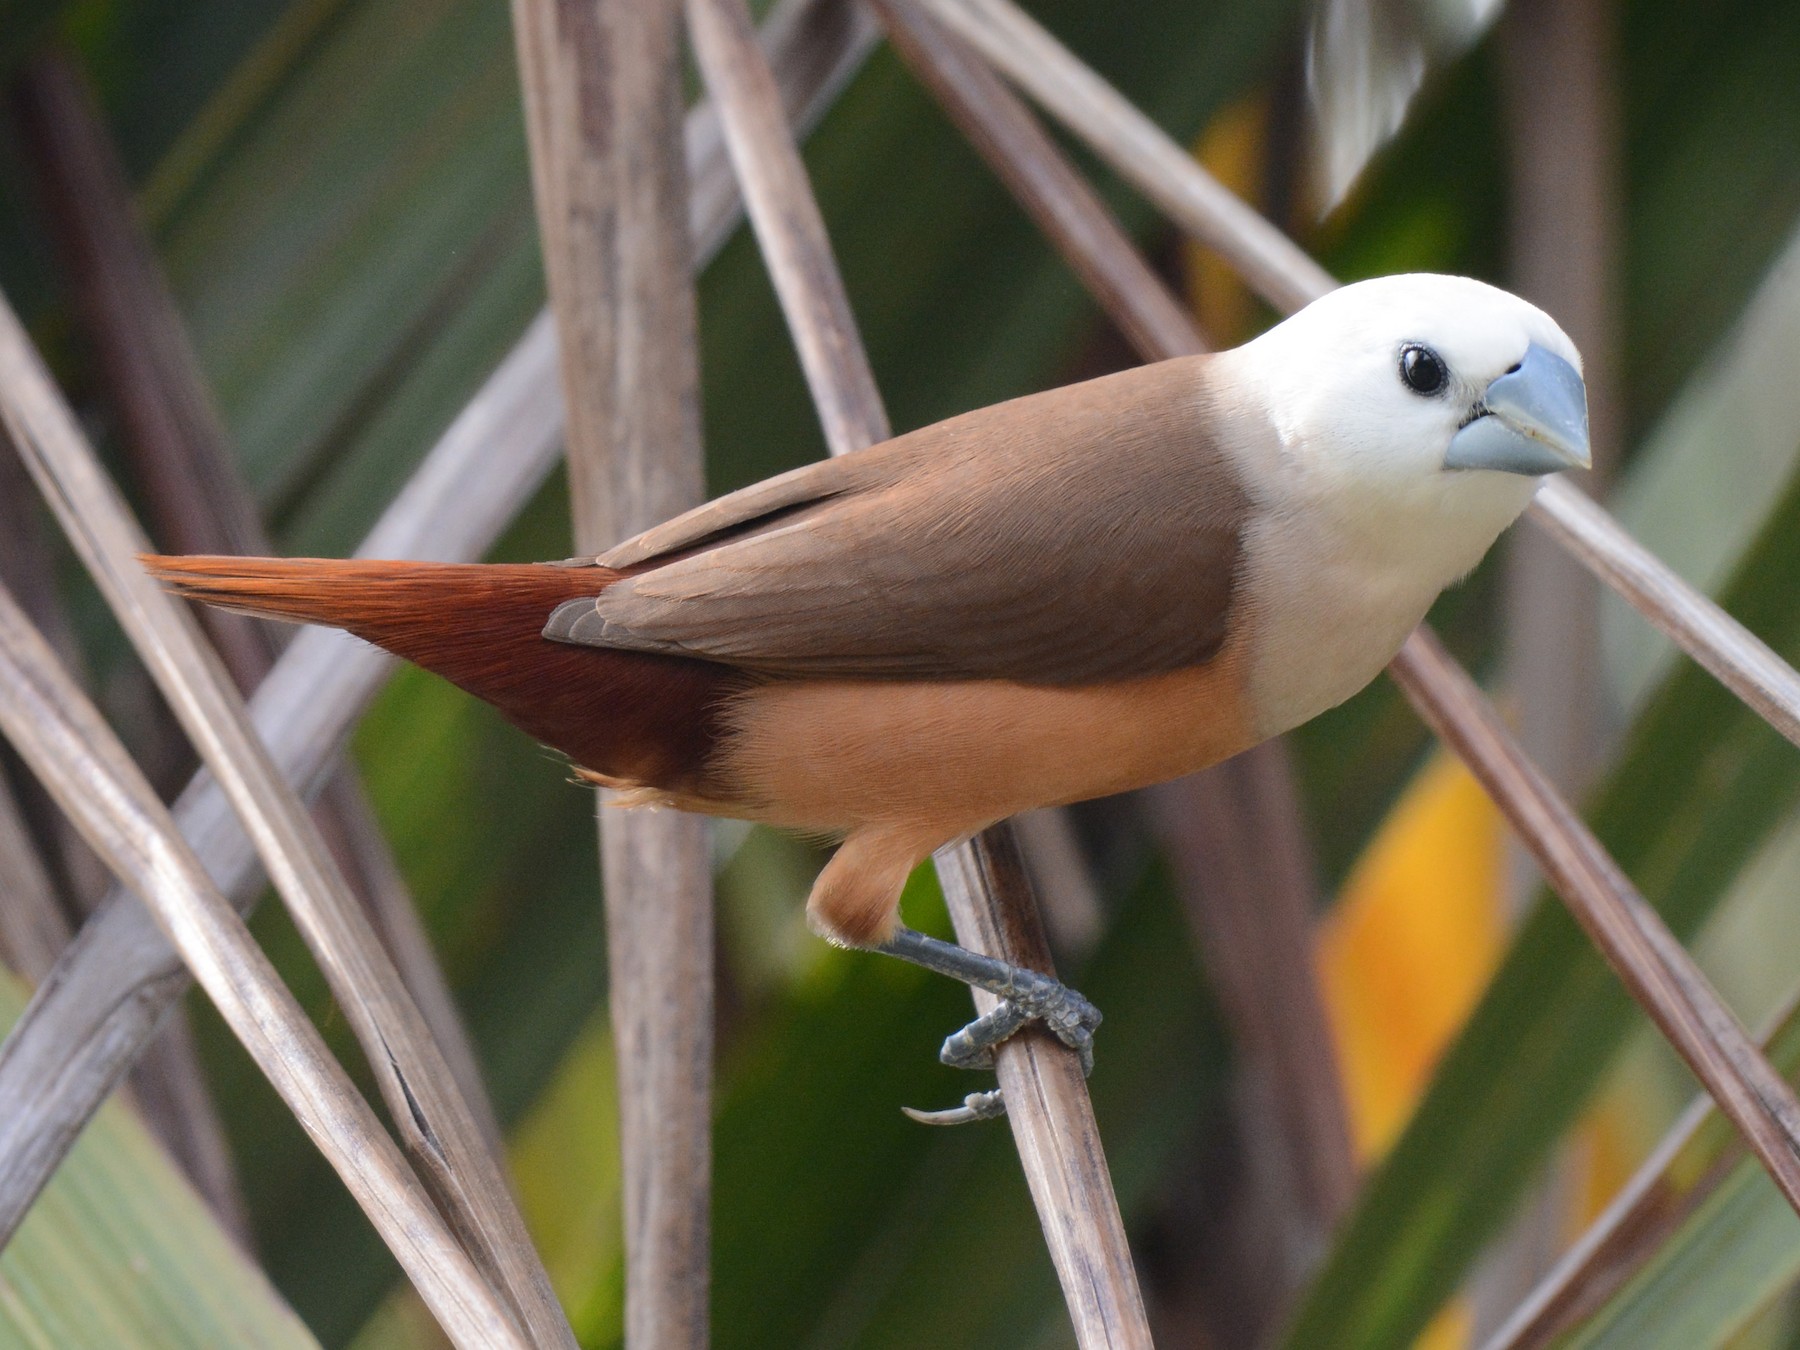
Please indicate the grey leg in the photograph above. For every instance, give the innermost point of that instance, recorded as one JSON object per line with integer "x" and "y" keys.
{"x": 1026, "y": 996}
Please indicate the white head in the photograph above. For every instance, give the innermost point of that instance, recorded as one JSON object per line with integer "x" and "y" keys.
{"x": 1419, "y": 394}
{"x": 1389, "y": 431}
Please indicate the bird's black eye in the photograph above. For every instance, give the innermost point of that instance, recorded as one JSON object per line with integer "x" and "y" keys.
{"x": 1422, "y": 369}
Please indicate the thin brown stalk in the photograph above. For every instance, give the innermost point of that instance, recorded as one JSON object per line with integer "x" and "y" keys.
{"x": 169, "y": 1088}
{"x": 1697, "y": 1155}
{"x": 1558, "y": 97}
{"x": 1671, "y": 989}
{"x": 79, "y": 759}
{"x": 1236, "y": 839}
{"x": 437, "y": 1125}
{"x": 814, "y": 48}
{"x": 984, "y": 881}
{"x": 1047, "y": 1101}
{"x": 168, "y": 1084}
{"x": 148, "y": 368}
{"x": 116, "y": 981}
{"x": 198, "y": 502}
{"x": 1633, "y": 1227}
{"x": 28, "y": 567}
{"x": 1734, "y": 655}
{"x": 602, "y": 87}
{"x": 1065, "y": 207}
{"x": 1243, "y": 867}
{"x": 33, "y": 928}
{"x": 113, "y": 985}
{"x": 789, "y": 230}
{"x": 1656, "y": 968}
{"x": 1559, "y": 82}
{"x": 1555, "y": 71}
{"x": 1068, "y": 897}
{"x": 1235, "y": 833}
{"x": 1140, "y": 150}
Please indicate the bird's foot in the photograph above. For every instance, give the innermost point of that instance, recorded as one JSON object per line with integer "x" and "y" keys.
{"x": 1026, "y": 996}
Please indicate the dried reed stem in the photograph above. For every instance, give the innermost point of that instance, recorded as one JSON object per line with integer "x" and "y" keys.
{"x": 1235, "y": 832}
{"x": 1062, "y": 203}
{"x": 33, "y": 928}
{"x": 78, "y": 758}
{"x": 28, "y": 566}
{"x": 198, "y": 501}
{"x": 1656, "y": 968}
{"x": 1629, "y": 933}
{"x": 1563, "y": 240}
{"x": 1734, "y": 655}
{"x": 1141, "y": 151}
{"x": 1699, "y": 1154}
{"x": 603, "y": 109}
{"x": 111, "y": 988}
{"x": 435, "y": 1122}
{"x": 1633, "y": 1227}
{"x": 984, "y": 881}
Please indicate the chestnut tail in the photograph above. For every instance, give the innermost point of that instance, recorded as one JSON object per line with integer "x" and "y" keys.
{"x": 645, "y": 719}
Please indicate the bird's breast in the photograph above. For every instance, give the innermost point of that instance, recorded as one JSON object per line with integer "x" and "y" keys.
{"x": 1322, "y": 616}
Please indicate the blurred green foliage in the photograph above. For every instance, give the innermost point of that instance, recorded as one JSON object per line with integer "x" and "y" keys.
{"x": 120, "y": 1251}
{"x": 339, "y": 191}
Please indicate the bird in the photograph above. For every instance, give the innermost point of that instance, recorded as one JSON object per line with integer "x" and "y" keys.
{"x": 1075, "y": 593}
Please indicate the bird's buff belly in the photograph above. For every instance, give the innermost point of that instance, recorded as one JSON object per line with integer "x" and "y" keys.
{"x": 946, "y": 759}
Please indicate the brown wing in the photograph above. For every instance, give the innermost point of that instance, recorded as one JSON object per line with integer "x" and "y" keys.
{"x": 1077, "y": 536}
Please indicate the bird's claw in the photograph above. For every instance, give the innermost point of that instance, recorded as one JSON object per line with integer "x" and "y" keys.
{"x": 976, "y": 1106}
{"x": 1069, "y": 1016}
{"x": 1025, "y": 996}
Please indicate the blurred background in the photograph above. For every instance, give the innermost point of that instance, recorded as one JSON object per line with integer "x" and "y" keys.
{"x": 337, "y": 194}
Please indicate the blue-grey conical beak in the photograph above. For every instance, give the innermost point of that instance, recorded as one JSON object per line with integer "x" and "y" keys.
{"x": 1535, "y": 421}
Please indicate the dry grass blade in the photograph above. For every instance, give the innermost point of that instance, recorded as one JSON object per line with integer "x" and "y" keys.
{"x": 1654, "y": 966}
{"x": 789, "y": 229}
{"x": 198, "y": 502}
{"x": 1047, "y": 1101}
{"x": 1237, "y": 842}
{"x": 1698, "y": 1155}
{"x": 168, "y": 1083}
{"x": 1634, "y": 1225}
{"x": 1141, "y": 151}
{"x": 148, "y": 370}
{"x": 1062, "y": 203}
{"x": 1559, "y": 87}
{"x": 1238, "y": 826}
{"x": 1057, "y": 866}
{"x": 1734, "y": 655}
{"x": 112, "y": 987}
{"x": 814, "y": 47}
{"x": 603, "y": 110}
{"x": 33, "y": 928}
{"x": 79, "y": 759}
{"x": 984, "y": 882}
{"x": 437, "y": 1125}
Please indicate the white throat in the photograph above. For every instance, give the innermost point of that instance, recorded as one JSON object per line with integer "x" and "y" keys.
{"x": 1341, "y": 564}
